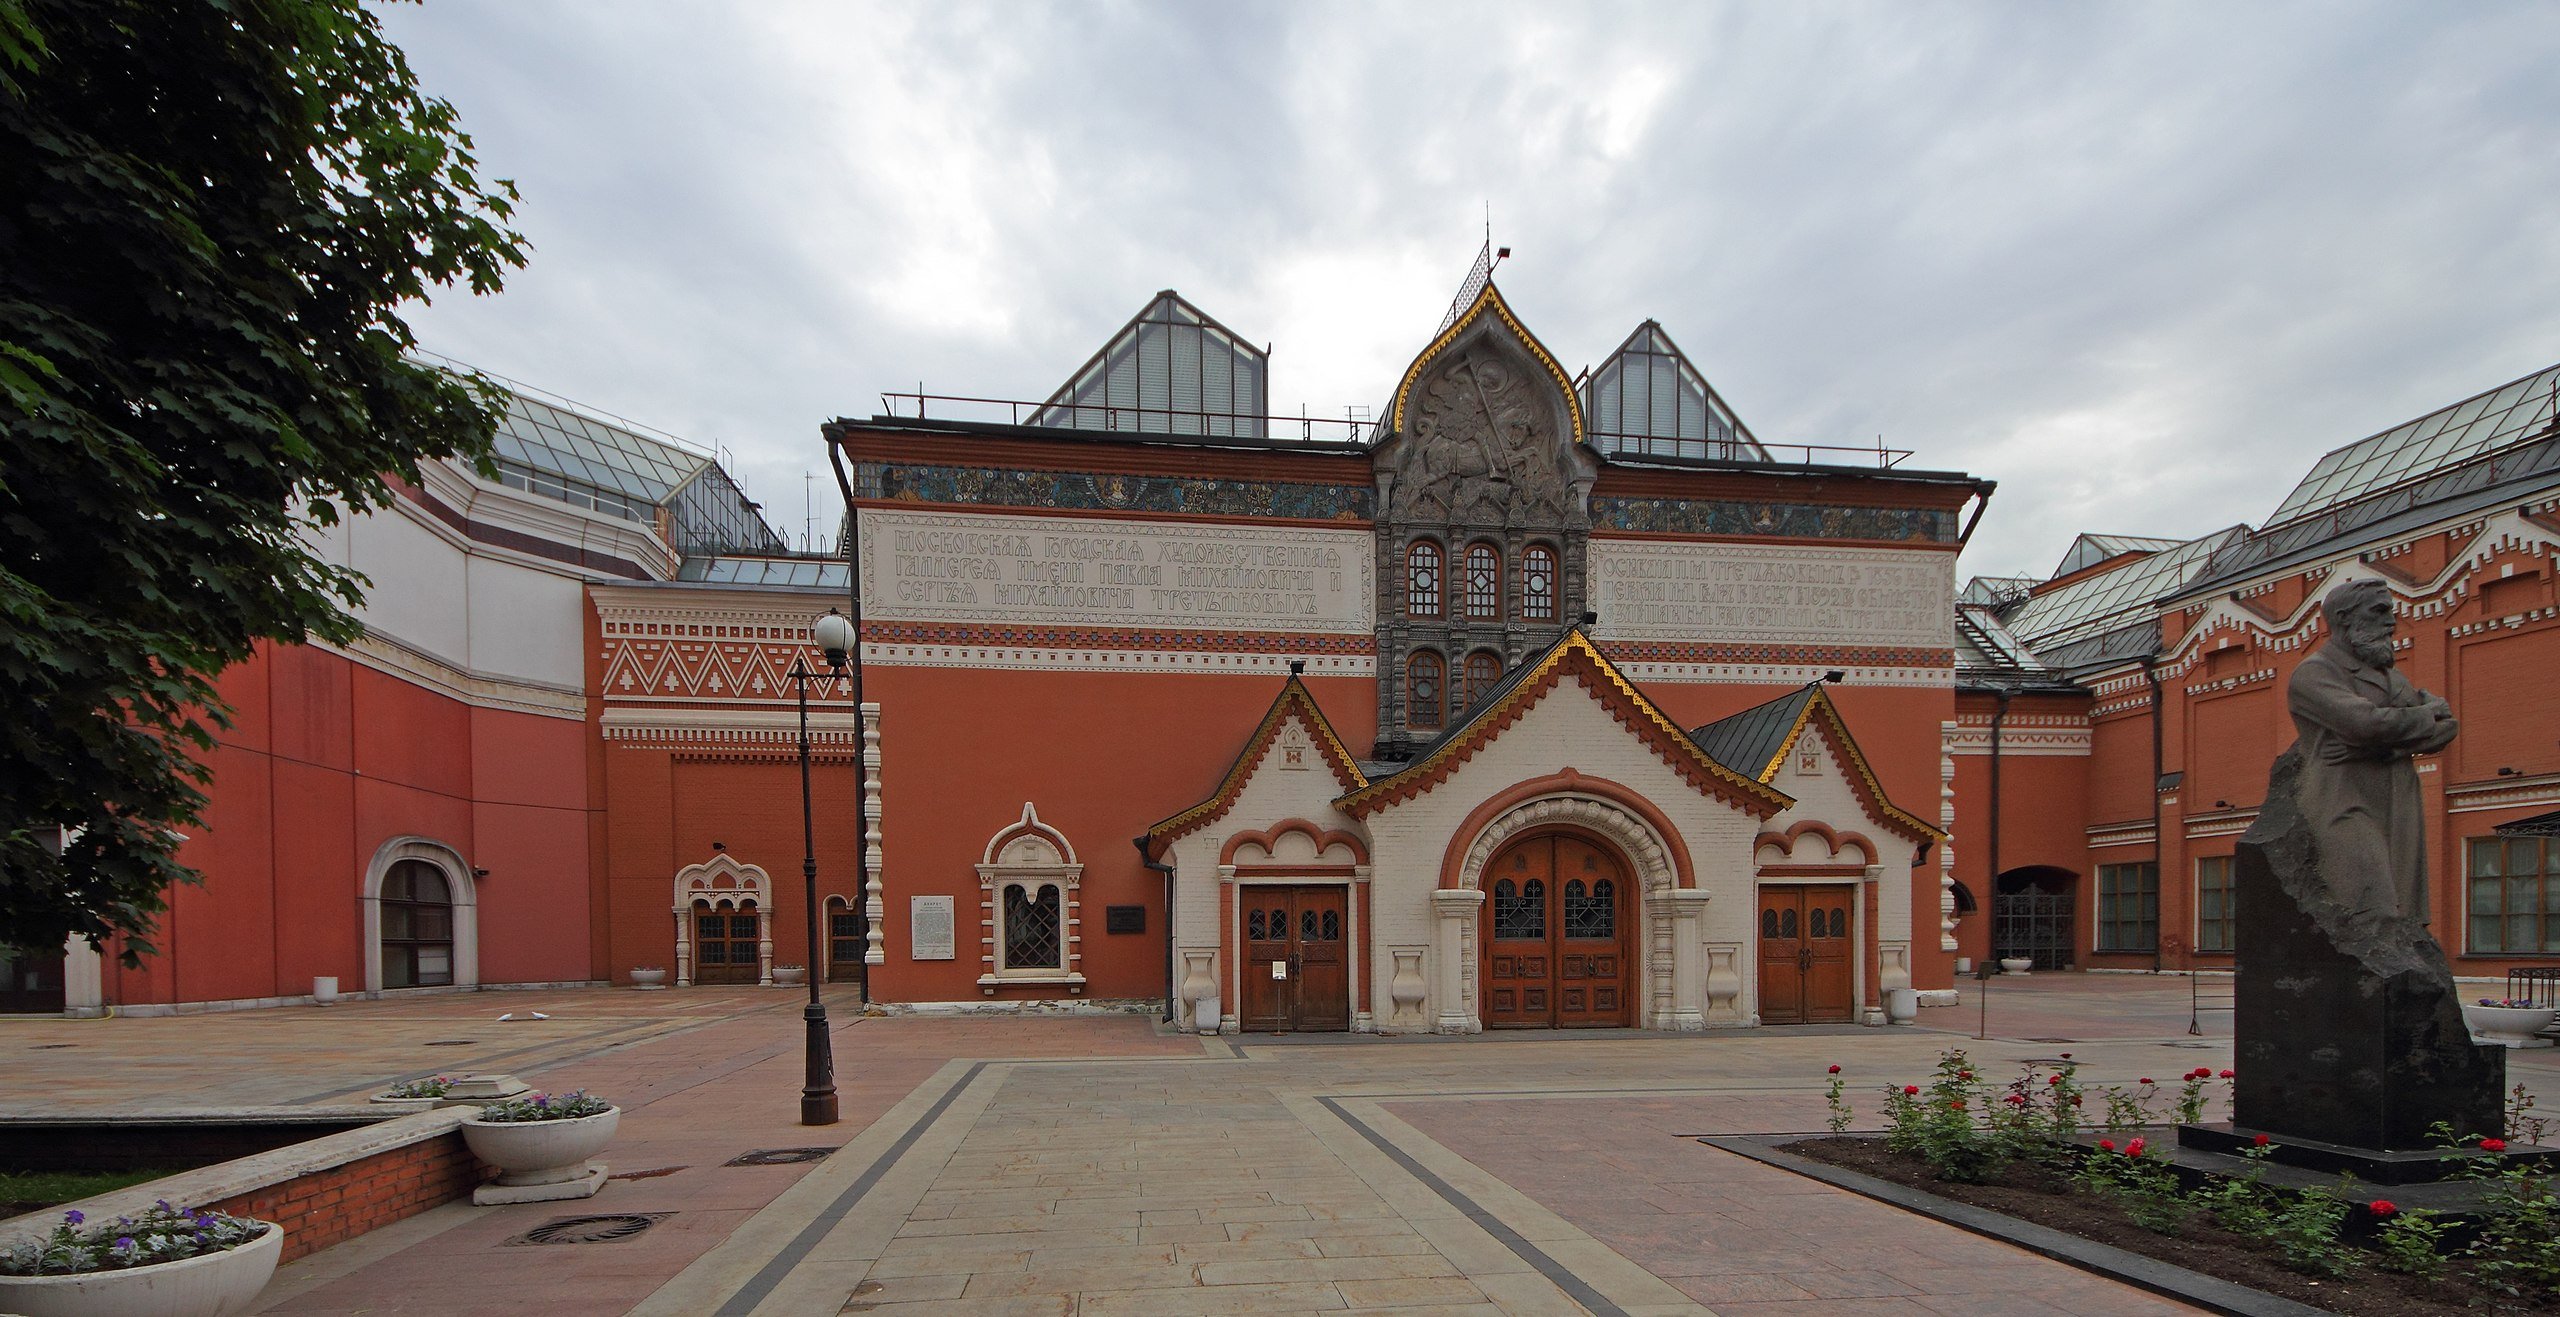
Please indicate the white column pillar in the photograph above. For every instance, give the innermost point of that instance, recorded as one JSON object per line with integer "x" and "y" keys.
{"x": 764, "y": 945}
{"x": 1455, "y": 912}
{"x": 875, "y": 901}
{"x": 1362, "y": 961}
{"x": 1687, "y": 907}
{"x": 684, "y": 946}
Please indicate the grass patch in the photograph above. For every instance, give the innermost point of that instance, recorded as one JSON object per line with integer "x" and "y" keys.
{"x": 33, "y": 1191}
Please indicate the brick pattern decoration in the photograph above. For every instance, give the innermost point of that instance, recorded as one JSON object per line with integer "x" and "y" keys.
{"x": 337, "y": 1203}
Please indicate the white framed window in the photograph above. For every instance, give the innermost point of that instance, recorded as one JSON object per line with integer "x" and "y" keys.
{"x": 1028, "y": 920}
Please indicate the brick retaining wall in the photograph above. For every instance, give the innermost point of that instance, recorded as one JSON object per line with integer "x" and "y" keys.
{"x": 336, "y": 1203}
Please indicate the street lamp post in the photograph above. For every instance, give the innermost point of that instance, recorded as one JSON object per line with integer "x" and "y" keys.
{"x": 818, "y": 1080}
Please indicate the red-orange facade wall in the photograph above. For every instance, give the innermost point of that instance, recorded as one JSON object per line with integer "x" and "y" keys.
{"x": 324, "y": 762}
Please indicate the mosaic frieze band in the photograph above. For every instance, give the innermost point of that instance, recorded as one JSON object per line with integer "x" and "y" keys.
{"x": 1105, "y": 492}
{"x": 1230, "y": 642}
{"x": 1810, "y": 521}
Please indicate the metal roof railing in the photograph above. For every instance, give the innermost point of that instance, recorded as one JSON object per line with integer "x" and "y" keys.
{"x": 1126, "y": 419}
{"x": 1658, "y": 448}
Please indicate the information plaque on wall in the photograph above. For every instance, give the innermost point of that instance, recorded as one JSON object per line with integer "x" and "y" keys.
{"x": 929, "y": 936}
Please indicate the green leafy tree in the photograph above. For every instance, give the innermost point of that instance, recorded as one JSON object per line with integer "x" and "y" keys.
{"x": 213, "y": 214}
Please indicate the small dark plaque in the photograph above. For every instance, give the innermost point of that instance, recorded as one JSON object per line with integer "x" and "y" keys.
{"x": 1124, "y": 919}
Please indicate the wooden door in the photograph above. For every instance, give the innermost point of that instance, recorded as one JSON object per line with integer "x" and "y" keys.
{"x": 724, "y": 945}
{"x": 1806, "y": 955}
{"x": 1297, "y": 960}
{"x": 1556, "y": 933}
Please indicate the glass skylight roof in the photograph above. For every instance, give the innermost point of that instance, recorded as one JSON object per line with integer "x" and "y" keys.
{"x": 830, "y": 572}
{"x": 2100, "y": 603}
{"x": 1171, "y": 370}
{"x": 563, "y": 443}
{"x": 2476, "y": 425}
{"x": 2090, "y": 550}
{"x": 1649, "y": 400}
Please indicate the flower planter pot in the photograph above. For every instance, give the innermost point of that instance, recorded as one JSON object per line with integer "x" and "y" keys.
{"x": 546, "y": 1158}
{"x": 405, "y": 1104}
{"x": 2508, "y": 1026}
{"x": 648, "y": 978}
{"x": 2016, "y": 964}
{"x": 789, "y": 976}
{"x": 208, "y": 1285}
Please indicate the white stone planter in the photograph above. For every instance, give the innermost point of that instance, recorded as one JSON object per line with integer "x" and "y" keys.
{"x": 544, "y": 1159}
{"x": 2016, "y": 965}
{"x": 648, "y": 978}
{"x": 790, "y": 976}
{"x": 208, "y": 1285}
{"x": 2508, "y": 1026}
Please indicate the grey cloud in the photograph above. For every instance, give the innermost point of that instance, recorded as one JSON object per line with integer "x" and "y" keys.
{"x": 2139, "y": 263}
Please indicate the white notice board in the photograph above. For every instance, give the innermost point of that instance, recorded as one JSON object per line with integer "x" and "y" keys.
{"x": 929, "y": 928}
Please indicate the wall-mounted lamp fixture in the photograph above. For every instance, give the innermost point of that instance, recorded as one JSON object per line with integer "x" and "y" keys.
{"x": 2506, "y": 772}
{"x": 479, "y": 873}
{"x": 719, "y": 845}
{"x": 1835, "y": 676}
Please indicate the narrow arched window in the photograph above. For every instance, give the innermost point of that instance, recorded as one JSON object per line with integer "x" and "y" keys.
{"x": 1484, "y": 582}
{"x": 1538, "y": 584}
{"x": 1425, "y": 690}
{"x": 417, "y": 926}
{"x": 1484, "y": 672}
{"x": 1422, "y": 579}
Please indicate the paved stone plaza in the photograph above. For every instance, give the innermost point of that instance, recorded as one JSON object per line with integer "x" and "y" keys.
{"x": 1095, "y": 1165}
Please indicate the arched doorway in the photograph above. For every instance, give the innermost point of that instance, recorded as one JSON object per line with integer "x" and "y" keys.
{"x": 2031, "y": 915}
{"x": 1558, "y": 920}
{"x": 421, "y": 917}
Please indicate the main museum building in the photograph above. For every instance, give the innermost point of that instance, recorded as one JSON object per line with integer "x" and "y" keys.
{"x": 1540, "y": 698}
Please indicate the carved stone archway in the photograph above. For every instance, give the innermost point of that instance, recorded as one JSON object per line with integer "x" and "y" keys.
{"x": 723, "y": 884}
{"x": 1672, "y": 965}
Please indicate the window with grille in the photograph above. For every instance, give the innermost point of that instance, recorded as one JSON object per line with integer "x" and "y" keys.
{"x": 2217, "y": 914}
{"x": 1033, "y": 923}
{"x": 1422, "y": 579}
{"x": 2513, "y": 895}
{"x": 1538, "y": 584}
{"x": 417, "y": 926}
{"x": 1484, "y": 672}
{"x": 845, "y": 941}
{"x": 1484, "y": 582}
{"x": 1425, "y": 690}
{"x": 2129, "y": 907}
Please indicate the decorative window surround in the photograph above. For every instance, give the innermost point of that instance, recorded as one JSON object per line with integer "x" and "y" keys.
{"x": 1031, "y": 856}
{"x": 726, "y": 885}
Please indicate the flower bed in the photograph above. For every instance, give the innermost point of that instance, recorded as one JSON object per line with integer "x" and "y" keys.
{"x": 162, "y": 1233}
{"x": 2023, "y": 1150}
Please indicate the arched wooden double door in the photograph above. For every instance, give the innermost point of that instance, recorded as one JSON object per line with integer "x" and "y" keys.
{"x": 1559, "y": 916}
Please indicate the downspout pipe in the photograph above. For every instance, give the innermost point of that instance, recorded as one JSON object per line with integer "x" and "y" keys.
{"x": 1147, "y": 858}
{"x": 2159, "y": 770}
{"x": 1991, "y": 843}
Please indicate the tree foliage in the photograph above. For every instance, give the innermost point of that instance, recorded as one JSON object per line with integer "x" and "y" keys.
{"x": 214, "y": 212}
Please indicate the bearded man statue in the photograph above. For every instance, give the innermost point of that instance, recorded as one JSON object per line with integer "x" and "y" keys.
{"x": 2359, "y": 721}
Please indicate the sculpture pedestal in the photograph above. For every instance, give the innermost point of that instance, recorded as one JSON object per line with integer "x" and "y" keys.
{"x": 2348, "y": 1026}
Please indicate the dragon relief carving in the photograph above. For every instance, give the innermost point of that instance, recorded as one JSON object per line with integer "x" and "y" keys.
{"x": 1481, "y": 450}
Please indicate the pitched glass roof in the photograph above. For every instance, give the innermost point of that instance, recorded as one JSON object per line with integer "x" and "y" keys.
{"x": 1647, "y": 398}
{"x": 724, "y": 570}
{"x": 2099, "y": 603}
{"x": 2090, "y": 550}
{"x": 560, "y": 442}
{"x": 2419, "y": 448}
{"x": 1996, "y": 590}
{"x": 1170, "y": 370}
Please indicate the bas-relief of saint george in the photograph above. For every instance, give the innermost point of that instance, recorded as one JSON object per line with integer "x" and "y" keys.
{"x": 2360, "y": 721}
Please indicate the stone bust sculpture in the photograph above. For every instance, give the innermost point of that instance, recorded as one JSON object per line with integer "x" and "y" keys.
{"x": 2359, "y": 722}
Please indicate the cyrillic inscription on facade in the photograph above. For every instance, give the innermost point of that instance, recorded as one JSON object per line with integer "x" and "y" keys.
{"x": 1659, "y": 590}
{"x": 1087, "y": 572}
{"x": 929, "y": 928}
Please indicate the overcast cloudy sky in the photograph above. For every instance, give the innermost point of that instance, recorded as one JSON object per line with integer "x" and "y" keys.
{"x": 2141, "y": 264}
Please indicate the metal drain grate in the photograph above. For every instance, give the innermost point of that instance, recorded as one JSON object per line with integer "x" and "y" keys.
{"x": 603, "y": 1229}
{"x": 778, "y": 1156}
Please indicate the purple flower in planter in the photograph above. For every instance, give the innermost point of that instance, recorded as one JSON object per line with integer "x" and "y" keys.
{"x": 542, "y": 1099}
{"x": 124, "y": 1243}
{"x": 74, "y": 1216}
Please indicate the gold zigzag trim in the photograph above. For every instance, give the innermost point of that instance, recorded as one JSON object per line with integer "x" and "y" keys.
{"x": 1492, "y": 296}
{"x": 1293, "y": 695}
{"x": 1856, "y": 759}
{"x": 1530, "y": 686}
